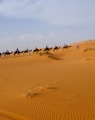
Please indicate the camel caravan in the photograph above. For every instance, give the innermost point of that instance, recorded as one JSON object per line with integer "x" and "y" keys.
{"x": 28, "y": 52}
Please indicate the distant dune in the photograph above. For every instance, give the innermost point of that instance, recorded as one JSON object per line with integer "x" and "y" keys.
{"x": 49, "y": 85}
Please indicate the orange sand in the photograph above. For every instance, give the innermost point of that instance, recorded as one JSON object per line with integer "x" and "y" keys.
{"x": 57, "y": 86}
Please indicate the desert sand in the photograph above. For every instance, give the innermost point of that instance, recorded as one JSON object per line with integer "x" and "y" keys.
{"x": 56, "y": 85}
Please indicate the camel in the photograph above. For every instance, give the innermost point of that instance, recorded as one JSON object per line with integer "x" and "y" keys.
{"x": 47, "y": 48}
{"x": 27, "y": 51}
{"x": 7, "y": 53}
{"x": 17, "y": 51}
{"x": 66, "y": 46}
{"x": 56, "y": 48}
{"x": 36, "y": 50}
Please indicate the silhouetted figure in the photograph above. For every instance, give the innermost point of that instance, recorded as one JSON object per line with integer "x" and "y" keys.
{"x": 47, "y": 48}
{"x": 36, "y": 50}
{"x": 66, "y": 46}
{"x": 56, "y": 48}
{"x": 7, "y": 53}
{"x": 0, "y": 54}
{"x": 17, "y": 51}
{"x": 27, "y": 51}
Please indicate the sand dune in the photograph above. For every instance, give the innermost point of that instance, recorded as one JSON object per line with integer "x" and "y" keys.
{"x": 53, "y": 85}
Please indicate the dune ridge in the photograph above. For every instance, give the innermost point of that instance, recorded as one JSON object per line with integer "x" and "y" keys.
{"x": 49, "y": 85}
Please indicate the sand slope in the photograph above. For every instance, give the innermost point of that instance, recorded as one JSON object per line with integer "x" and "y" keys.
{"x": 58, "y": 85}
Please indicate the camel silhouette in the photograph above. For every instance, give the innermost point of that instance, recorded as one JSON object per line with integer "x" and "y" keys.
{"x": 56, "y": 48}
{"x": 17, "y": 51}
{"x": 36, "y": 50}
{"x": 66, "y": 46}
{"x": 47, "y": 48}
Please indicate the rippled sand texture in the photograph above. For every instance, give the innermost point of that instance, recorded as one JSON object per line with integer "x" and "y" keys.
{"x": 57, "y": 85}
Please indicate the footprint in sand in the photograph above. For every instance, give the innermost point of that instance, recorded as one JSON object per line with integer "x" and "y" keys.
{"x": 38, "y": 90}
{"x": 73, "y": 98}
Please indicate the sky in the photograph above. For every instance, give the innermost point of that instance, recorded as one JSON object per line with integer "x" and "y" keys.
{"x": 37, "y": 23}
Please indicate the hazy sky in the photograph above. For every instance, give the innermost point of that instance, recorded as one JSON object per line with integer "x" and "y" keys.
{"x": 31, "y": 23}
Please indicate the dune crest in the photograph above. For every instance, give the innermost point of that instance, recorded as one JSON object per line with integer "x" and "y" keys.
{"x": 49, "y": 84}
